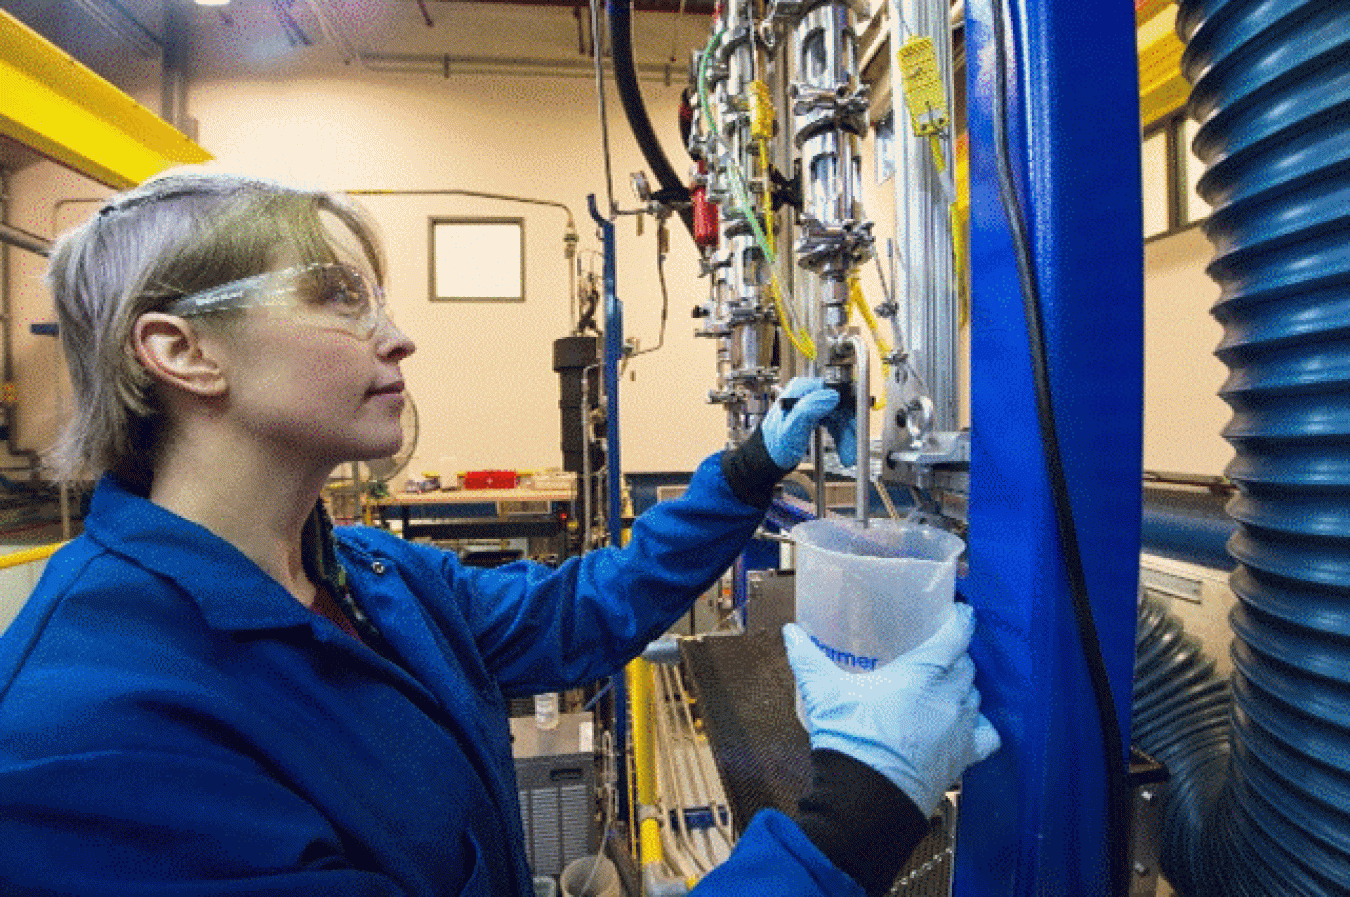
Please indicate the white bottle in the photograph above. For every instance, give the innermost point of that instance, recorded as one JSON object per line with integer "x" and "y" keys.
{"x": 546, "y": 710}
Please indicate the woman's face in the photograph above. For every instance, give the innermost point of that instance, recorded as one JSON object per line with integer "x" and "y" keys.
{"x": 312, "y": 389}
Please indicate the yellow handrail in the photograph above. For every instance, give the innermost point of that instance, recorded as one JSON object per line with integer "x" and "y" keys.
{"x": 28, "y": 555}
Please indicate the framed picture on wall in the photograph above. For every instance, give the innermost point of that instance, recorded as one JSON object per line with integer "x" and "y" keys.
{"x": 477, "y": 259}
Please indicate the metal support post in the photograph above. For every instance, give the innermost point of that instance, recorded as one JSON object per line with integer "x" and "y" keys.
{"x": 614, "y": 471}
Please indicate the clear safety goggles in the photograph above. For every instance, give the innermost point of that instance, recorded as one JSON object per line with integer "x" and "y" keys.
{"x": 328, "y": 295}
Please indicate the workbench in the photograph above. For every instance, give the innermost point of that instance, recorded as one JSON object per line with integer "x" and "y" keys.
{"x": 479, "y": 513}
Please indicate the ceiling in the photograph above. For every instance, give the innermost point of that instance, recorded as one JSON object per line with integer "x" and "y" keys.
{"x": 122, "y": 40}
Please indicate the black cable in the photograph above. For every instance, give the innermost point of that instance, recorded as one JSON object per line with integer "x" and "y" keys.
{"x": 630, "y": 96}
{"x": 1117, "y": 796}
{"x": 661, "y": 249}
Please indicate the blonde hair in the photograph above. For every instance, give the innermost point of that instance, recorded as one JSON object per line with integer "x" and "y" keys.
{"x": 182, "y": 231}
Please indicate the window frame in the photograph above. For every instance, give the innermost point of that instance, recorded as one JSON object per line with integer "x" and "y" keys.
{"x": 433, "y": 222}
{"x": 1179, "y": 186}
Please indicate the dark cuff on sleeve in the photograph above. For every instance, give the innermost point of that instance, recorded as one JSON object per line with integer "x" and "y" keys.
{"x": 750, "y": 472}
{"x": 864, "y": 824}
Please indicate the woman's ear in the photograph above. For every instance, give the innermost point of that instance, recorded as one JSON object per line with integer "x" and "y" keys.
{"x": 173, "y": 353}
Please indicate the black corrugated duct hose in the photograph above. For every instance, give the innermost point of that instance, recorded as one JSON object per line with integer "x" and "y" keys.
{"x": 1180, "y": 718}
{"x": 673, "y": 190}
{"x": 1263, "y": 809}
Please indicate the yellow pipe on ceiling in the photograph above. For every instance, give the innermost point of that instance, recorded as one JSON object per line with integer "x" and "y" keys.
{"x": 57, "y": 106}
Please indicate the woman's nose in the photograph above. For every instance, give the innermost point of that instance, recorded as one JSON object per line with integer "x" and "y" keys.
{"x": 391, "y": 343}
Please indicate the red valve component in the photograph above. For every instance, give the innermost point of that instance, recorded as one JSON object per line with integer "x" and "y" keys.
{"x": 705, "y": 217}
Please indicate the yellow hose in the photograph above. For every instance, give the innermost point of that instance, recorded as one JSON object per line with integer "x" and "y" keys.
{"x": 639, "y": 676}
{"x": 761, "y": 129}
{"x": 28, "y": 555}
{"x": 855, "y": 295}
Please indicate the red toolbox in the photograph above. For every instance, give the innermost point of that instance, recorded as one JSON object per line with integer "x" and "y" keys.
{"x": 489, "y": 479}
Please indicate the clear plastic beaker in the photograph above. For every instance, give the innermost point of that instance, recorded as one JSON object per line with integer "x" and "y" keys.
{"x": 867, "y": 594}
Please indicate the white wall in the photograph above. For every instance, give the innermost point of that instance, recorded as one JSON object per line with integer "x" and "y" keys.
{"x": 1183, "y": 415}
{"x": 482, "y": 375}
{"x": 16, "y": 584}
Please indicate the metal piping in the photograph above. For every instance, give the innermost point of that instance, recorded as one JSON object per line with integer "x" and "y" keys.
{"x": 862, "y": 366}
{"x": 727, "y": 136}
{"x": 173, "y": 88}
{"x": 586, "y": 486}
{"x": 333, "y": 30}
{"x": 13, "y": 236}
{"x": 923, "y": 202}
{"x": 596, "y": 61}
{"x": 22, "y": 239}
{"x": 446, "y": 65}
{"x": 122, "y": 24}
{"x": 671, "y": 792}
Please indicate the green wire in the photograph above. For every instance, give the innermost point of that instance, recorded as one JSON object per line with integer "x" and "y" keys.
{"x": 741, "y": 194}
{"x": 739, "y": 189}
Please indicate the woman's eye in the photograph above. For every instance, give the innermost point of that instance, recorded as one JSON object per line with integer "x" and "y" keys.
{"x": 339, "y": 294}
{"x": 344, "y": 300}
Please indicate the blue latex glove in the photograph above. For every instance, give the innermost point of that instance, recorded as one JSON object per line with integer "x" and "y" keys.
{"x": 915, "y": 720}
{"x": 804, "y": 404}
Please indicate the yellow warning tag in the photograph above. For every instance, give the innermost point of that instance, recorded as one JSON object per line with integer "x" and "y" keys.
{"x": 924, "y": 92}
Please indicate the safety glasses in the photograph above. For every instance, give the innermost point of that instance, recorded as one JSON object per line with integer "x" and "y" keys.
{"x": 327, "y": 295}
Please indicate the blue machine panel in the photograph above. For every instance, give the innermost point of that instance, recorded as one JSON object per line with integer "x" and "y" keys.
{"x": 1032, "y": 819}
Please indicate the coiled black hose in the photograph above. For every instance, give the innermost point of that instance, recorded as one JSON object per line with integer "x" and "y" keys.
{"x": 674, "y": 192}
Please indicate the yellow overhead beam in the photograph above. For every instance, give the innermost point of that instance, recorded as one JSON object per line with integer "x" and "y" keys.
{"x": 1147, "y": 9}
{"x": 1162, "y": 88}
{"x": 52, "y": 103}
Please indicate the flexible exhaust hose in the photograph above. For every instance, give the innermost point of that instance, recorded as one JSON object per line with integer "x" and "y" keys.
{"x": 620, "y": 15}
{"x": 1180, "y": 718}
{"x": 1262, "y": 809}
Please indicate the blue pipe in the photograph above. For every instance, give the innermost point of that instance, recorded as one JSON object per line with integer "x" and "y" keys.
{"x": 1188, "y": 526}
{"x": 613, "y": 323}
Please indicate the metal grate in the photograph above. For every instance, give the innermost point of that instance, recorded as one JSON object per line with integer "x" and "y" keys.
{"x": 745, "y": 694}
{"x": 929, "y": 870}
{"x": 556, "y": 776}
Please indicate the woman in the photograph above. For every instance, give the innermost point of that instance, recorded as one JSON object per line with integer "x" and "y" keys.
{"x": 212, "y": 691}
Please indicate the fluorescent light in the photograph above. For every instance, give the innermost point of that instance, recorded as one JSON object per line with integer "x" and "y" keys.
{"x": 213, "y": 2}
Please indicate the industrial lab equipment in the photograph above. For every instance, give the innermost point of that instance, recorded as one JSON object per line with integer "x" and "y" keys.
{"x": 1043, "y": 483}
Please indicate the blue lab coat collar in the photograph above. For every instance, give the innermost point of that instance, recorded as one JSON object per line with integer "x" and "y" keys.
{"x": 232, "y": 592}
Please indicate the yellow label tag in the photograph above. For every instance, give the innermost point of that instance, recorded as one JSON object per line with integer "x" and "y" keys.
{"x": 924, "y": 92}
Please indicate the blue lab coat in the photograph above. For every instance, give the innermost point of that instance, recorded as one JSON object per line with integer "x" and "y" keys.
{"x": 174, "y": 723}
